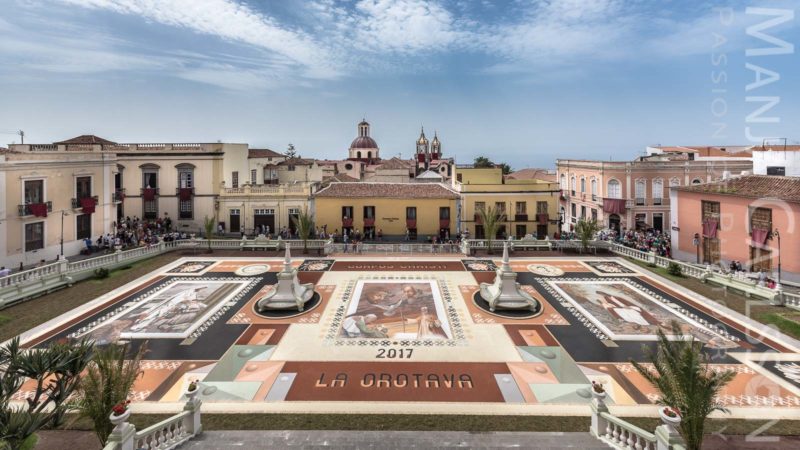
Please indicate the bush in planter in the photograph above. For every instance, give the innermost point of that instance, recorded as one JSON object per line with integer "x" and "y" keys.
{"x": 101, "y": 273}
{"x": 675, "y": 269}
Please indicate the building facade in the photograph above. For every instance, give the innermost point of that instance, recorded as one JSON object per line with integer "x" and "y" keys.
{"x": 751, "y": 219}
{"x": 421, "y": 209}
{"x": 529, "y": 205}
{"x": 52, "y": 197}
{"x": 635, "y": 194}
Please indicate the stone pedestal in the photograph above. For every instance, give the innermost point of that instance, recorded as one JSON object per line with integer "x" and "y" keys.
{"x": 289, "y": 293}
{"x": 505, "y": 292}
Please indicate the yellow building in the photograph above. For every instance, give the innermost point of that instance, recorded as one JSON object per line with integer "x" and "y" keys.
{"x": 424, "y": 209}
{"x": 48, "y": 194}
{"x": 530, "y": 206}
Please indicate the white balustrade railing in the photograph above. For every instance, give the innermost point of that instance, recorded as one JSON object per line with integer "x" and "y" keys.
{"x": 164, "y": 435}
{"x": 30, "y": 275}
{"x": 386, "y": 248}
{"x": 622, "y": 435}
{"x": 791, "y": 300}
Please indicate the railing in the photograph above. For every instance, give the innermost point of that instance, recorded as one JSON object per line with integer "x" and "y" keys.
{"x": 168, "y": 434}
{"x": 157, "y": 190}
{"x": 79, "y": 148}
{"x": 43, "y": 148}
{"x": 619, "y": 434}
{"x": 118, "y": 195}
{"x": 29, "y": 275}
{"x": 25, "y": 210}
{"x": 76, "y": 202}
{"x": 640, "y": 201}
{"x": 520, "y": 217}
{"x": 410, "y": 248}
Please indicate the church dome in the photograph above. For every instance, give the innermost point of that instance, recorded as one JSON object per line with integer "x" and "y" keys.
{"x": 364, "y": 142}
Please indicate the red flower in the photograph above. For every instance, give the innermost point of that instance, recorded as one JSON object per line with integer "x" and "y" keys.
{"x": 120, "y": 408}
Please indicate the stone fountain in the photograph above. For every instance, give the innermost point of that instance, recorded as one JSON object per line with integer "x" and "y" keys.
{"x": 505, "y": 292}
{"x": 289, "y": 293}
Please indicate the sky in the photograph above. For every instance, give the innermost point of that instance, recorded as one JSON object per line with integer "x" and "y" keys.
{"x": 519, "y": 81}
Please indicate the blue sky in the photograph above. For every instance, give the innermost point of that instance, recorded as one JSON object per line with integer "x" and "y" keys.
{"x": 523, "y": 82}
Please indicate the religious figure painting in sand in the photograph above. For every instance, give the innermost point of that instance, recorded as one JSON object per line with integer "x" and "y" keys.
{"x": 396, "y": 310}
{"x": 624, "y": 313}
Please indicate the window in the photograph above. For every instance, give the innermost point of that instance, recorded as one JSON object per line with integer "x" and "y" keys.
{"x": 658, "y": 191}
{"x": 458, "y": 177}
{"x": 583, "y": 211}
{"x": 411, "y": 213}
{"x": 34, "y": 191}
{"x": 253, "y": 173}
{"x": 614, "y": 189}
{"x": 522, "y": 230}
{"x": 563, "y": 182}
{"x": 761, "y": 218}
{"x": 347, "y": 212}
{"x": 572, "y": 184}
{"x": 711, "y": 246}
{"x": 83, "y": 187}
{"x": 594, "y": 189}
{"x": 541, "y": 207}
{"x": 235, "y": 179}
{"x": 149, "y": 179}
{"x": 583, "y": 185}
{"x": 594, "y": 214}
{"x": 150, "y": 209}
{"x": 185, "y": 178}
{"x": 574, "y": 211}
{"x": 185, "y": 202}
{"x": 480, "y": 206}
{"x": 779, "y": 171}
{"x": 290, "y": 168}
{"x": 186, "y": 210}
{"x": 34, "y": 236}
{"x": 641, "y": 192}
{"x": 83, "y": 225}
{"x": 262, "y": 212}
{"x": 697, "y": 181}
{"x": 444, "y": 213}
{"x": 500, "y": 208}
{"x": 521, "y": 208}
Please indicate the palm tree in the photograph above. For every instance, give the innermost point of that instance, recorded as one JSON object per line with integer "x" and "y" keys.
{"x": 208, "y": 224}
{"x": 586, "y": 229}
{"x": 107, "y": 382}
{"x": 682, "y": 375}
{"x": 305, "y": 225}
{"x": 492, "y": 218}
{"x": 482, "y": 161}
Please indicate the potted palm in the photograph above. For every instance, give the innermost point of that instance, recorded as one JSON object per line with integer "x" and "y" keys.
{"x": 670, "y": 416}
{"x": 491, "y": 218}
{"x": 305, "y": 226}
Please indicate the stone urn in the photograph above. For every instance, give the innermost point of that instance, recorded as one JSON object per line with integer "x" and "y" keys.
{"x": 117, "y": 420}
{"x": 192, "y": 393}
{"x": 598, "y": 392}
{"x": 667, "y": 419}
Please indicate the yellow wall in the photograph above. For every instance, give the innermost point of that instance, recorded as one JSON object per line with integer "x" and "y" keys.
{"x": 390, "y": 214}
{"x": 488, "y": 175}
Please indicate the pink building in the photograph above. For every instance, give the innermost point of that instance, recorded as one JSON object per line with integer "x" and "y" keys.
{"x": 635, "y": 194}
{"x": 740, "y": 219}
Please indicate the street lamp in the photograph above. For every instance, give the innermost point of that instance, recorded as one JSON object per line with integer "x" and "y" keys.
{"x": 63, "y": 213}
{"x": 696, "y": 242}
{"x": 776, "y": 234}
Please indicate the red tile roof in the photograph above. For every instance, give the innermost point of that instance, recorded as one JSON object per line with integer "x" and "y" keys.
{"x": 87, "y": 139}
{"x": 394, "y": 163}
{"x": 263, "y": 153}
{"x": 751, "y": 186}
{"x": 386, "y": 190}
{"x": 297, "y": 162}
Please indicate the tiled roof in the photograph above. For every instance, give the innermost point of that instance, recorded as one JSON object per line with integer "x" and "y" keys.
{"x": 776, "y": 148}
{"x": 342, "y": 177}
{"x": 297, "y": 162}
{"x": 752, "y": 186}
{"x": 87, "y": 139}
{"x": 532, "y": 174}
{"x": 263, "y": 153}
{"x": 387, "y": 190}
{"x": 395, "y": 163}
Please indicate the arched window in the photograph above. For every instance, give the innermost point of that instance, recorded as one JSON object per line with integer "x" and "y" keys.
{"x": 614, "y": 189}
{"x": 697, "y": 181}
{"x": 358, "y": 155}
{"x": 563, "y": 182}
{"x": 593, "y": 183}
{"x": 583, "y": 185}
{"x": 641, "y": 191}
{"x": 369, "y": 155}
{"x": 572, "y": 184}
{"x": 658, "y": 191}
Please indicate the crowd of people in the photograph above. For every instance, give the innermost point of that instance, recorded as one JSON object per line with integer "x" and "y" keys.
{"x": 134, "y": 232}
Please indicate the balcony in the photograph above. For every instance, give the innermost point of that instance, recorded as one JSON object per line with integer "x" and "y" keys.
{"x": 76, "y": 202}
{"x": 118, "y": 196}
{"x": 640, "y": 201}
{"x": 149, "y": 194}
{"x": 520, "y": 217}
{"x": 658, "y": 201}
{"x": 25, "y": 210}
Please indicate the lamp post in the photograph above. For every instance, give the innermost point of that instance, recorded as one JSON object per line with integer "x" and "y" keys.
{"x": 777, "y": 235}
{"x": 696, "y": 242}
{"x": 63, "y": 213}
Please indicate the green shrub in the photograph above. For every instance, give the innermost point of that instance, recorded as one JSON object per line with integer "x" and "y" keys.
{"x": 675, "y": 269}
{"x": 101, "y": 273}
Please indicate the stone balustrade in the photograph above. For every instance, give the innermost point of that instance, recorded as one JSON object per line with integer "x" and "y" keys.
{"x": 165, "y": 435}
{"x": 622, "y": 435}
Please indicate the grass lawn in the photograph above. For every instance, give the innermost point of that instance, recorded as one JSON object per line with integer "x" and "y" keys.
{"x": 26, "y": 315}
{"x": 786, "y": 320}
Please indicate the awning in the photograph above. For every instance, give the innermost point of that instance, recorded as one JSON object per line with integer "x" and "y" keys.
{"x": 614, "y": 205}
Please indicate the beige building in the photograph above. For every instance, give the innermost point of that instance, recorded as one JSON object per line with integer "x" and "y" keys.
{"x": 50, "y": 192}
{"x": 529, "y": 205}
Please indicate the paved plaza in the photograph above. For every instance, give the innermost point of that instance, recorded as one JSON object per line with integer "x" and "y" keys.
{"x": 412, "y": 335}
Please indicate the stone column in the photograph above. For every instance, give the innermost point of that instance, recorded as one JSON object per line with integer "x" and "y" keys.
{"x": 192, "y": 423}
{"x": 599, "y": 424}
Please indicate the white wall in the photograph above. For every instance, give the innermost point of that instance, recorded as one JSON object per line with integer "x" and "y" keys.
{"x": 763, "y": 159}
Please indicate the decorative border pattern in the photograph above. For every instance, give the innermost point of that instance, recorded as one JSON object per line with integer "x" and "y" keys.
{"x": 459, "y": 338}
{"x": 126, "y": 305}
{"x": 628, "y": 272}
{"x": 548, "y": 284}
